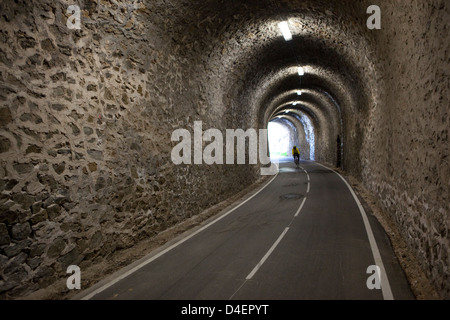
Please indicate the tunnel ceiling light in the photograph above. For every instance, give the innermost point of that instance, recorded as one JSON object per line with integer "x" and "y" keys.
{"x": 299, "y": 92}
{"x": 295, "y": 103}
{"x": 287, "y": 111}
{"x": 301, "y": 71}
{"x": 284, "y": 27}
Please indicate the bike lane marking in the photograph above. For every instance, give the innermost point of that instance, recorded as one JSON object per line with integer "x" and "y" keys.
{"x": 273, "y": 247}
{"x": 385, "y": 286}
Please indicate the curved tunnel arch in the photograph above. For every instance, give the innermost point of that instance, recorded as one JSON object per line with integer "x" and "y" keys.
{"x": 244, "y": 78}
{"x": 345, "y": 97}
{"x": 260, "y": 42}
{"x": 325, "y": 115}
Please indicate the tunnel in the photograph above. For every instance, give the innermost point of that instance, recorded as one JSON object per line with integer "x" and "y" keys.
{"x": 91, "y": 97}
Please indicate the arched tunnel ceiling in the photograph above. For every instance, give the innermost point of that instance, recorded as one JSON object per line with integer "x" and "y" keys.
{"x": 311, "y": 110}
{"x": 285, "y": 90}
{"x": 245, "y": 46}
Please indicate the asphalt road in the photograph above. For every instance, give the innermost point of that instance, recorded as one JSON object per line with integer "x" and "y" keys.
{"x": 301, "y": 236}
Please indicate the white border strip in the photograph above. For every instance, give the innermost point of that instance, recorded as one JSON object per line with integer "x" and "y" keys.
{"x": 300, "y": 208}
{"x": 385, "y": 286}
{"x": 260, "y": 263}
{"x": 147, "y": 261}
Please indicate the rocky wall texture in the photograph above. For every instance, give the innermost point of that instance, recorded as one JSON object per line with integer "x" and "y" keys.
{"x": 406, "y": 153}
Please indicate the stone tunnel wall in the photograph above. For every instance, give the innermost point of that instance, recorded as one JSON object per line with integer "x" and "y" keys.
{"x": 406, "y": 153}
{"x": 85, "y": 134}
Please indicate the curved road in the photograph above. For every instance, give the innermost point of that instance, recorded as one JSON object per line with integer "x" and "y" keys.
{"x": 304, "y": 235}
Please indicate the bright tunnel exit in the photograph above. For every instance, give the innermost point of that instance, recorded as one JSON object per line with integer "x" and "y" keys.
{"x": 279, "y": 140}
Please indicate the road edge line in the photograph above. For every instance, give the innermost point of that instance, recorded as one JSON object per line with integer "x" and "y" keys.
{"x": 385, "y": 286}
{"x": 268, "y": 253}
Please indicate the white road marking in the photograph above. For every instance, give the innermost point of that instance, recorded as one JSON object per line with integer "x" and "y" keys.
{"x": 260, "y": 263}
{"x": 300, "y": 208}
{"x": 385, "y": 286}
{"x": 309, "y": 180}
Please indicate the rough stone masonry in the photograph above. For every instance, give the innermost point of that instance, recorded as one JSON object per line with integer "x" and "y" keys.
{"x": 86, "y": 117}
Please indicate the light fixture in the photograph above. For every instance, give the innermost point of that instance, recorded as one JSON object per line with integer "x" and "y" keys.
{"x": 287, "y": 111}
{"x": 301, "y": 71}
{"x": 295, "y": 103}
{"x": 284, "y": 27}
{"x": 299, "y": 92}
